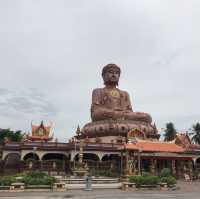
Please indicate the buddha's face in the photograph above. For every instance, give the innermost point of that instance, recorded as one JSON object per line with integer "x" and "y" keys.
{"x": 111, "y": 76}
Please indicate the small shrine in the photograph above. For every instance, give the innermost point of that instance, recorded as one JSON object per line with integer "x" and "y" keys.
{"x": 40, "y": 133}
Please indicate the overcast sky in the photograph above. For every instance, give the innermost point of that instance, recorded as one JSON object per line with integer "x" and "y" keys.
{"x": 52, "y": 53}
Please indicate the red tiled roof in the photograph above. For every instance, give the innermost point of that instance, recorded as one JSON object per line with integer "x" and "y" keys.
{"x": 146, "y": 145}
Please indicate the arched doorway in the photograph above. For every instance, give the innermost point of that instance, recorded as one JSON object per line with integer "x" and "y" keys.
{"x": 111, "y": 157}
{"x": 55, "y": 162}
{"x": 54, "y": 156}
{"x": 31, "y": 157}
{"x": 111, "y": 164}
{"x": 31, "y": 161}
{"x": 12, "y": 163}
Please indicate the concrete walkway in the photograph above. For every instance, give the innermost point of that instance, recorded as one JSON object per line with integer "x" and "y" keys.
{"x": 187, "y": 191}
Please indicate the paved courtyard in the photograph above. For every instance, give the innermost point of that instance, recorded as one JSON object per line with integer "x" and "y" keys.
{"x": 187, "y": 191}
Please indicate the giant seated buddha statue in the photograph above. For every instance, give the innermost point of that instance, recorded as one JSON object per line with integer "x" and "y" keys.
{"x": 111, "y": 110}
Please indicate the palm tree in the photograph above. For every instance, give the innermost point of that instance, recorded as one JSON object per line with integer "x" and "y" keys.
{"x": 196, "y": 133}
{"x": 170, "y": 132}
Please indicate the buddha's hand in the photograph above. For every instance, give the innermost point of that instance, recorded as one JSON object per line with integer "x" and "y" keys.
{"x": 118, "y": 109}
{"x": 119, "y": 114}
{"x": 128, "y": 115}
{"x": 127, "y": 112}
{"x": 108, "y": 114}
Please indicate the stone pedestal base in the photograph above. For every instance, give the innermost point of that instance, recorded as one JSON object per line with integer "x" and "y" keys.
{"x": 128, "y": 186}
{"x": 16, "y": 187}
{"x": 60, "y": 186}
{"x": 117, "y": 128}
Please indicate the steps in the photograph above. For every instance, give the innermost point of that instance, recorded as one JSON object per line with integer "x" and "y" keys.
{"x": 97, "y": 182}
{"x": 95, "y": 186}
{"x": 94, "y": 180}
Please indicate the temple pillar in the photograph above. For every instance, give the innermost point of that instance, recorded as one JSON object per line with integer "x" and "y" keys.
{"x": 155, "y": 167}
{"x": 81, "y": 153}
{"x": 174, "y": 167}
{"x": 152, "y": 166}
{"x": 126, "y": 168}
{"x": 121, "y": 165}
{"x": 140, "y": 166}
{"x": 190, "y": 168}
{"x": 178, "y": 169}
{"x": 136, "y": 166}
{"x": 183, "y": 168}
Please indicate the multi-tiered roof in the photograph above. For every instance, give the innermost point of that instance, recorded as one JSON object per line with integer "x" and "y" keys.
{"x": 40, "y": 133}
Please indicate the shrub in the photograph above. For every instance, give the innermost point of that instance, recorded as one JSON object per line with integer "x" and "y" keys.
{"x": 166, "y": 172}
{"x": 7, "y": 180}
{"x": 48, "y": 180}
{"x": 29, "y": 178}
{"x": 145, "y": 180}
{"x": 36, "y": 174}
{"x": 138, "y": 180}
{"x": 170, "y": 180}
{"x": 152, "y": 180}
{"x": 20, "y": 174}
{"x": 37, "y": 178}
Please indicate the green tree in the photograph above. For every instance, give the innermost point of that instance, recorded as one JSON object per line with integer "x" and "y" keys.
{"x": 14, "y": 136}
{"x": 170, "y": 132}
{"x": 196, "y": 133}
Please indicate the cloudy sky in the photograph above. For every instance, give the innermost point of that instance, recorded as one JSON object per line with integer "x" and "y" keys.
{"x": 52, "y": 53}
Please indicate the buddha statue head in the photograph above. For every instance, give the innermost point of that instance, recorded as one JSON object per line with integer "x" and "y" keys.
{"x": 111, "y": 74}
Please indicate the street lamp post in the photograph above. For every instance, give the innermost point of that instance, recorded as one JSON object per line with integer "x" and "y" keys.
{"x": 74, "y": 152}
{"x": 81, "y": 152}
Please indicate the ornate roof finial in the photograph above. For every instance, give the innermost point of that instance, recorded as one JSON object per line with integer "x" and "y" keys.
{"x": 42, "y": 123}
{"x": 155, "y": 128}
{"x": 78, "y": 131}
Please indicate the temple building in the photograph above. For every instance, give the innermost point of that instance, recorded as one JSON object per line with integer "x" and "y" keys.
{"x": 117, "y": 139}
{"x": 39, "y": 133}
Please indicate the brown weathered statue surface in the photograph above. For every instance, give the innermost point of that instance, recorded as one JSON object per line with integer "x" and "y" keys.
{"x": 112, "y": 103}
{"x": 112, "y": 113}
